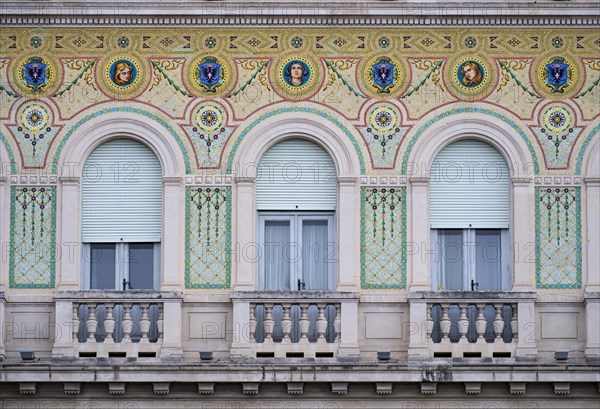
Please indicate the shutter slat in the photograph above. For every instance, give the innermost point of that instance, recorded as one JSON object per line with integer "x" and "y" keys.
{"x": 469, "y": 187}
{"x": 296, "y": 175}
{"x": 122, "y": 194}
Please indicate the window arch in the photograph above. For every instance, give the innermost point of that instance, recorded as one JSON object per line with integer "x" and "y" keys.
{"x": 296, "y": 195}
{"x": 121, "y": 216}
{"x": 469, "y": 207}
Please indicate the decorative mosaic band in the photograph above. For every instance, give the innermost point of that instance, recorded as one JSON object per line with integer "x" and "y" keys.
{"x": 558, "y": 248}
{"x": 208, "y": 237}
{"x": 32, "y": 257}
{"x": 383, "y": 238}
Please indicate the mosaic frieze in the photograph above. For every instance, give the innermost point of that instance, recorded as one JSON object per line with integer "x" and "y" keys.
{"x": 208, "y": 237}
{"x": 558, "y": 237}
{"x": 383, "y": 238}
{"x": 32, "y": 237}
{"x": 341, "y": 72}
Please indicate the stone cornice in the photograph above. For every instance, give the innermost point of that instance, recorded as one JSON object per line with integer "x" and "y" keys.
{"x": 316, "y": 14}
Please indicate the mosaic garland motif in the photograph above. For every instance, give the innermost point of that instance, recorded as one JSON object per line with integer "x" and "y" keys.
{"x": 208, "y": 134}
{"x": 208, "y": 237}
{"x": 34, "y": 133}
{"x": 557, "y": 135}
{"x": 383, "y": 238}
{"x": 558, "y": 237}
{"x": 32, "y": 237}
{"x": 383, "y": 135}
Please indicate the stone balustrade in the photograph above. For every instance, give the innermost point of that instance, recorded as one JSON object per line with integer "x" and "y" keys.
{"x": 306, "y": 324}
{"x": 462, "y": 324}
{"x": 110, "y": 324}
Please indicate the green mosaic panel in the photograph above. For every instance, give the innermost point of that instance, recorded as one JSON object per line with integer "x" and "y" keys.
{"x": 383, "y": 238}
{"x": 208, "y": 237}
{"x": 558, "y": 237}
{"x": 32, "y": 237}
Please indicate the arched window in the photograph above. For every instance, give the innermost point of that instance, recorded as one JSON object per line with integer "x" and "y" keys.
{"x": 121, "y": 217}
{"x": 470, "y": 217}
{"x": 296, "y": 200}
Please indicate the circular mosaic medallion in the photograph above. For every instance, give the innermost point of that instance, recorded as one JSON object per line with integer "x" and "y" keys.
{"x": 557, "y": 119}
{"x": 557, "y": 76}
{"x": 469, "y": 78}
{"x": 209, "y": 118}
{"x": 36, "y": 75}
{"x": 209, "y": 75}
{"x": 124, "y": 77}
{"x": 34, "y": 117}
{"x": 383, "y": 119}
{"x": 297, "y": 77}
{"x": 384, "y": 76}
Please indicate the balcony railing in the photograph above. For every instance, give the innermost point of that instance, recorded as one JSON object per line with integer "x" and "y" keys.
{"x": 111, "y": 324}
{"x": 304, "y": 324}
{"x": 472, "y": 324}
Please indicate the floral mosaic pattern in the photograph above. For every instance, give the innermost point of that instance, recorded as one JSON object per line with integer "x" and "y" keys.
{"x": 383, "y": 238}
{"x": 558, "y": 237}
{"x": 383, "y": 135}
{"x": 208, "y": 134}
{"x": 557, "y": 135}
{"x": 208, "y": 237}
{"x": 34, "y": 133}
{"x": 32, "y": 237}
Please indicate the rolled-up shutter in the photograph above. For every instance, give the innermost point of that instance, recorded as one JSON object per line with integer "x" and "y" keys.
{"x": 122, "y": 194}
{"x": 296, "y": 174}
{"x": 469, "y": 187}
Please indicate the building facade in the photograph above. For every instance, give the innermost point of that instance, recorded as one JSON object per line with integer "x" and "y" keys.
{"x": 351, "y": 204}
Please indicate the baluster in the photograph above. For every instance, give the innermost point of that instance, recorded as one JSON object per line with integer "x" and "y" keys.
{"x": 445, "y": 323}
{"x": 269, "y": 323}
{"x": 75, "y": 322}
{"x": 127, "y": 322}
{"x": 304, "y": 323}
{"x": 498, "y": 323}
{"x": 252, "y": 328}
{"x": 514, "y": 324}
{"x": 429, "y": 327}
{"x": 144, "y": 323}
{"x": 92, "y": 324}
{"x": 160, "y": 321}
{"x": 321, "y": 324}
{"x": 109, "y": 324}
{"x": 480, "y": 323}
{"x": 463, "y": 324}
{"x": 338, "y": 323}
{"x": 286, "y": 324}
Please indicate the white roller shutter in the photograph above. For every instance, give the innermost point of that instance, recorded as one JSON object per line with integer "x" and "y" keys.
{"x": 122, "y": 194}
{"x": 469, "y": 187}
{"x": 296, "y": 175}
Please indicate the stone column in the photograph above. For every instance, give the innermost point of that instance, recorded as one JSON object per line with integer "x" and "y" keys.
{"x": 523, "y": 234}
{"x": 348, "y": 237}
{"x": 68, "y": 238}
{"x": 419, "y": 258}
{"x": 591, "y": 241}
{"x": 241, "y": 344}
{"x": 244, "y": 252}
{"x": 4, "y": 231}
{"x": 418, "y": 349}
{"x": 171, "y": 343}
{"x": 173, "y": 235}
{"x": 63, "y": 341}
{"x": 349, "y": 328}
{"x": 2, "y": 325}
{"x": 527, "y": 331}
{"x": 592, "y": 312}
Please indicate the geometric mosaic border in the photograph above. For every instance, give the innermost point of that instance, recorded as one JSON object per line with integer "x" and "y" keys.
{"x": 199, "y": 276}
{"x": 45, "y": 248}
{"x": 390, "y": 272}
{"x": 576, "y": 280}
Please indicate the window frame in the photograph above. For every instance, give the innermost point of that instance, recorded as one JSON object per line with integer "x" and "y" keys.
{"x": 470, "y": 266}
{"x": 296, "y": 219}
{"x": 121, "y": 266}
